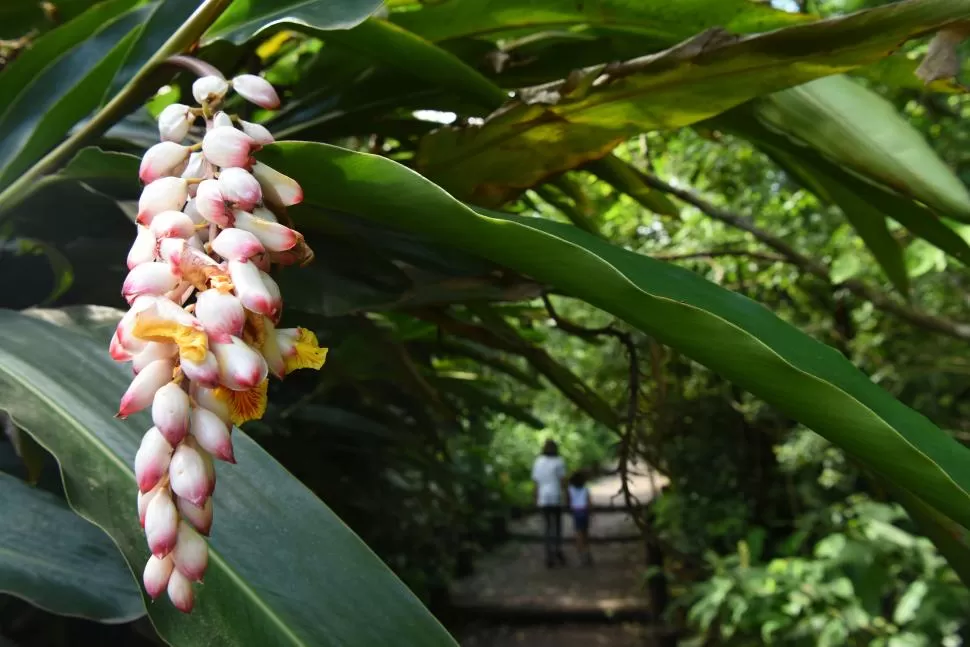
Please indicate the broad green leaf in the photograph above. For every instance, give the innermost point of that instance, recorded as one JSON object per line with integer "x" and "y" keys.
{"x": 51, "y": 96}
{"x": 20, "y": 17}
{"x": 863, "y": 133}
{"x": 283, "y": 570}
{"x": 659, "y": 19}
{"x": 396, "y": 47}
{"x": 952, "y": 540}
{"x": 56, "y": 560}
{"x": 560, "y": 126}
{"x": 247, "y": 18}
{"x": 847, "y": 189}
{"x": 729, "y": 333}
{"x": 625, "y": 178}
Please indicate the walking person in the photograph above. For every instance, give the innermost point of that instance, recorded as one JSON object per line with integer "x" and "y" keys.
{"x": 549, "y": 475}
{"x": 579, "y": 505}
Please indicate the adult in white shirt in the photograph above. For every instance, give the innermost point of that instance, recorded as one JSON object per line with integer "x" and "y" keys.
{"x": 549, "y": 475}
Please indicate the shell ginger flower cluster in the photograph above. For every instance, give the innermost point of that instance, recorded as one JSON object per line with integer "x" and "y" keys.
{"x": 201, "y": 332}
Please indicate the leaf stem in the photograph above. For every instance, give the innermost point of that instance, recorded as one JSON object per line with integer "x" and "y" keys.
{"x": 188, "y": 33}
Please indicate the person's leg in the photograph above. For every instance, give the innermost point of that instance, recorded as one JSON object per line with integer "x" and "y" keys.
{"x": 558, "y": 526}
{"x": 548, "y": 535}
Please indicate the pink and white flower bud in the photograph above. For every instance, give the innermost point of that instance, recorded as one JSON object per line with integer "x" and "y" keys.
{"x": 144, "y": 498}
{"x": 205, "y": 372}
{"x": 237, "y": 245}
{"x": 161, "y": 524}
{"x": 118, "y": 352}
{"x": 208, "y": 463}
{"x": 240, "y": 188}
{"x": 170, "y": 251}
{"x": 162, "y": 160}
{"x": 125, "y": 329}
{"x": 174, "y": 122}
{"x": 199, "y": 517}
{"x": 211, "y": 204}
{"x": 265, "y": 214}
{"x": 170, "y": 412}
{"x": 271, "y": 350}
{"x": 256, "y": 89}
{"x": 258, "y": 132}
{"x": 278, "y": 189}
{"x": 142, "y": 389}
{"x": 197, "y": 167}
{"x": 156, "y": 575}
{"x": 222, "y": 120}
{"x": 172, "y": 224}
{"x": 143, "y": 249}
{"x": 191, "y": 554}
{"x": 152, "y": 351}
{"x": 164, "y": 194}
{"x": 153, "y": 279}
{"x": 240, "y": 367}
{"x": 180, "y": 592}
{"x": 212, "y": 434}
{"x": 276, "y": 297}
{"x": 188, "y": 474}
{"x": 209, "y": 89}
{"x": 228, "y": 147}
{"x": 206, "y": 398}
{"x": 274, "y": 236}
{"x": 221, "y": 313}
{"x": 250, "y": 289}
{"x": 192, "y": 212}
{"x": 151, "y": 459}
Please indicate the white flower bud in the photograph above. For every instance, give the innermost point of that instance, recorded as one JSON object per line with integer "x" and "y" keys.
{"x": 236, "y": 245}
{"x": 221, "y": 119}
{"x": 187, "y": 474}
{"x": 251, "y": 290}
{"x": 191, "y": 553}
{"x": 212, "y": 434}
{"x": 240, "y": 367}
{"x": 142, "y": 389}
{"x": 211, "y": 204}
{"x": 143, "y": 249}
{"x": 180, "y": 592}
{"x": 199, "y": 517}
{"x": 162, "y": 160}
{"x": 221, "y": 314}
{"x": 170, "y": 412}
{"x": 174, "y": 122}
{"x": 278, "y": 189}
{"x": 256, "y": 89}
{"x": 172, "y": 224}
{"x": 258, "y": 132}
{"x": 161, "y": 524}
{"x": 157, "y": 572}
{"x": 209, "y": 89}
{"x": 164, "y": 194}
{"x": 151, "y": 459}
{"x": 240, "y": 188}
{"x": 228, "y": 147}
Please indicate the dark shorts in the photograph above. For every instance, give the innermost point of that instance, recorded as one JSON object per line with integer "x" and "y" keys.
{"x": 580, "y": 520}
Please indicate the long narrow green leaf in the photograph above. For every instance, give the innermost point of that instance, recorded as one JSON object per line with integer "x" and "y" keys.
{"x": 325, "y": 588}
{"x": 660, "y": 19}
{"x": 67, "y": 90}
{"x": 733, "y": 335}
{"x": 243, "y": 20}
{"x": 560, "y": 126}
{"x": 60, "y": 562}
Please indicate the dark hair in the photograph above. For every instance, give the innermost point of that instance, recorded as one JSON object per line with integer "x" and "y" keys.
{"x": 578, "y": 479}
{"x": 550, "y": 448}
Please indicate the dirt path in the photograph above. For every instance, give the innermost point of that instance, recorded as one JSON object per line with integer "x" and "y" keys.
{"x": 514, "y": 582}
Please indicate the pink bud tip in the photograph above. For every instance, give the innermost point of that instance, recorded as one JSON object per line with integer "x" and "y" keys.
{"x": 236, "y": 244}
{"x": 199, "y": 517}
{"x": 191, "y": 553}
{"x": 161, "y": 524}
{"x": 154, "y": 279}
{"x": 164, "y": 194}
{"x": 211, "y": 204}
{"x": 240, "y": 367}
{"x": 162, "y": 160}
{"x": 221, "y": 314}
{"x": 157, "y": 573}
{"x": 256, "y": 89}
{"x": 118, "y": 352}
{"x": 212, "y": 434}
{"x": 151, "y": 459}
{"x": 249, "y": 287}
{"x": 240, "y": 188}
{"x": 205, "y": 373}
{"x": 221, "y": 119}
{"x": 172, "y": 224}
{"x": 228, "y": 147}
{"x": 142, "y": 389}
{"x": 188, "y": 476}
{"x": 170, "y": 412}
{"x": 274, "y": 236}
{"x": 180, "y": 592}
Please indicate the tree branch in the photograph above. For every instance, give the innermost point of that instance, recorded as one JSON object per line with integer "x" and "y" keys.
{"x": 878, "y": 298}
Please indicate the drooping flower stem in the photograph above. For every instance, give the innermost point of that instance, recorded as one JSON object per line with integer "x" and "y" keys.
{"x": 190, "y": 31}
